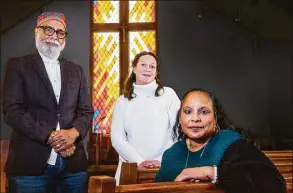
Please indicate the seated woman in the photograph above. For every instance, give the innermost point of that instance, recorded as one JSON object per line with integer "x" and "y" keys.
{"x": 143, "y": 116}
{"x": 208, "y": 149}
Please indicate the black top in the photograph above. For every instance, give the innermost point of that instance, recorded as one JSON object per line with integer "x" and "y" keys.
{"x": 242, "y": 169}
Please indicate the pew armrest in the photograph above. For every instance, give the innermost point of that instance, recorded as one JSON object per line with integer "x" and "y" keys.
{"x": 101, "y": 184}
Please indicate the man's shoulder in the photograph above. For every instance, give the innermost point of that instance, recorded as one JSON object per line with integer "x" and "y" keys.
{"x": 23, "y": 57}
{"x": 70, "y": 65}
{"x": 68, "y": 62}
{"x": 20, "y": 60}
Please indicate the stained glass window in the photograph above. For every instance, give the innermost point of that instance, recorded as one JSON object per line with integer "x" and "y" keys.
{"x": 108, "y": 30}
{"x": 105, "y": 11}
{"x": 141, "y": 41}
{"x": 105, "y": 89}
{"x": 141, "y": 11}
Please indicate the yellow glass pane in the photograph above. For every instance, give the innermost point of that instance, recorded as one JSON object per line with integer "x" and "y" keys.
{"x": 141, "y": 41}
{"x": 106, "y": 11}
{"x": 105, "y": 90}
{"x": 141, "y": 11}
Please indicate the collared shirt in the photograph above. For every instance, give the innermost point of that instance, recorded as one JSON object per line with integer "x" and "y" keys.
{"x": 54, "y": 74}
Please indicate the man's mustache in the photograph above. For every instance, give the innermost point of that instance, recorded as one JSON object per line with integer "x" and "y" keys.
{"x": 50, "y": 41}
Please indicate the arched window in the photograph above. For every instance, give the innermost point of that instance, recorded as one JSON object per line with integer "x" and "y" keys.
{"x": 120, "y": 30}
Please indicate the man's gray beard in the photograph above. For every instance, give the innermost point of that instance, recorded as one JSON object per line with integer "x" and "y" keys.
{"x": 51, "y": 52}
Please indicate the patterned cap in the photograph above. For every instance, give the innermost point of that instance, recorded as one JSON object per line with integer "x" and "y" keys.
{"x": 51, "y": 16}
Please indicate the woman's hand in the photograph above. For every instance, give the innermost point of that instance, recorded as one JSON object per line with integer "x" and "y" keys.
{"x": 205, "y": 173}
{"x": 150, "y": 164}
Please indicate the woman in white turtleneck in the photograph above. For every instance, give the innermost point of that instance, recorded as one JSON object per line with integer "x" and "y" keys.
{"x": 143, "y": 116}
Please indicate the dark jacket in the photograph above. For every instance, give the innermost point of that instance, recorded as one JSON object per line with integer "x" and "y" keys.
{"x": 31, "y": 109}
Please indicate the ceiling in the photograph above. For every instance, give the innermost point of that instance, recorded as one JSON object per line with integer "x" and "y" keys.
{"x": 15, "y": 11}
{"x": 271, "y": 19}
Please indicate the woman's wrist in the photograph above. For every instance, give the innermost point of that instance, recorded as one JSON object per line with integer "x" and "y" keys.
{"x": 215, "y": 175}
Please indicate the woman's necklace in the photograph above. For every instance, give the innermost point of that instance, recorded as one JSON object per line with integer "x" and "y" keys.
{"x": 187, "y": 158}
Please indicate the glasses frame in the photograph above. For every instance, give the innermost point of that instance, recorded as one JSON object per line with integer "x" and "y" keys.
{"x": 55, "y": 31}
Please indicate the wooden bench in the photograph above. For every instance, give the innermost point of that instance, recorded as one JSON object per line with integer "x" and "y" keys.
{"x": 4, "y": 145}
{"x": 130, "y": 174}
{"x": 106, "y": 184}
{"x": 107, "y": 170}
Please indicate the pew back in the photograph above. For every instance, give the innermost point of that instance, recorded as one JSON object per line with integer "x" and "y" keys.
{"x": 4, "y": 145}
{"x": 106, "y": 184}
{"x": 130, "y": 174}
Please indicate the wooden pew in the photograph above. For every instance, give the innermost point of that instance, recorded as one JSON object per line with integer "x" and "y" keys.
{"x": 108, "y": 170}
{"x": 130, "y": 174}
{"x": 4, "y": 182}
{"x": 106, "y": 184}
{"x": 4, "y": 145}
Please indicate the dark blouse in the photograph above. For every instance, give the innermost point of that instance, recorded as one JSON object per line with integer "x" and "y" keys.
{"x": 242, "y": 169}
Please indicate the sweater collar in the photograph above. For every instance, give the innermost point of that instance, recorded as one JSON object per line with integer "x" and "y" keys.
{"x": 146, "y": 90}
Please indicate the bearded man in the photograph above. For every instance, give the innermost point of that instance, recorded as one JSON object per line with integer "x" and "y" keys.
{"x": 46, "y": 102}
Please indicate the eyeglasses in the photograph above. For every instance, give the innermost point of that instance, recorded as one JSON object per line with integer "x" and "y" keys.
{"x": 50, "y": 31}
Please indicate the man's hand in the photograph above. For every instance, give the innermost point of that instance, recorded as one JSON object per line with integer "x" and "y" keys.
{"x": 150, "y": 164}
{"x": 68, "y": 152}
{"x": 205, "y": 173}
{"x": 63, "y": 139}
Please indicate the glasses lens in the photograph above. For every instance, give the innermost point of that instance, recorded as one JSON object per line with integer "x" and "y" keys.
{"x": 49, "y": 30}
{"x": 61, "y": 34}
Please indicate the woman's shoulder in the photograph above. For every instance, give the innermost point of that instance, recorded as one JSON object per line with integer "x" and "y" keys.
{"x": 228, "y": 133}
{"x": 168, "y": 89}
{"x": 121, "y": 101}
{"x": 224, "y": 138}
{"x": 175, "y": 148}
{"x": 168, "y": 92}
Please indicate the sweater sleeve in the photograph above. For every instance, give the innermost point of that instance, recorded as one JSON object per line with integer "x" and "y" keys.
{"x": 174, "y": 106}
{"x": 172, "y": 109}
{"x": 244, "y": 168}
{"x": 119, "y": 136}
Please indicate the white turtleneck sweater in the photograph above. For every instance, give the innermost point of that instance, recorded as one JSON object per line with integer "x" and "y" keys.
{"x": 142, "y": 127}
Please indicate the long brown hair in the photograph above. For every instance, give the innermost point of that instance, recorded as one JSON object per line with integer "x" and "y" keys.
{"x": 128, "y": 86}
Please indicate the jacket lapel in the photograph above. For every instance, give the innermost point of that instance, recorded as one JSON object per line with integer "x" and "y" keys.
{"x": 65, "y": 73}
{"x": 40, "y": 67}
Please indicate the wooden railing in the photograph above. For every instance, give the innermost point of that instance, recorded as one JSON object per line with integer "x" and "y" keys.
{"x": 130, "y": 174}
{"x": 108, "y": 170}
{"x": 106, "y": 184}
{"x": 4, "y": 145}
{"x": 133, "y": 179}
